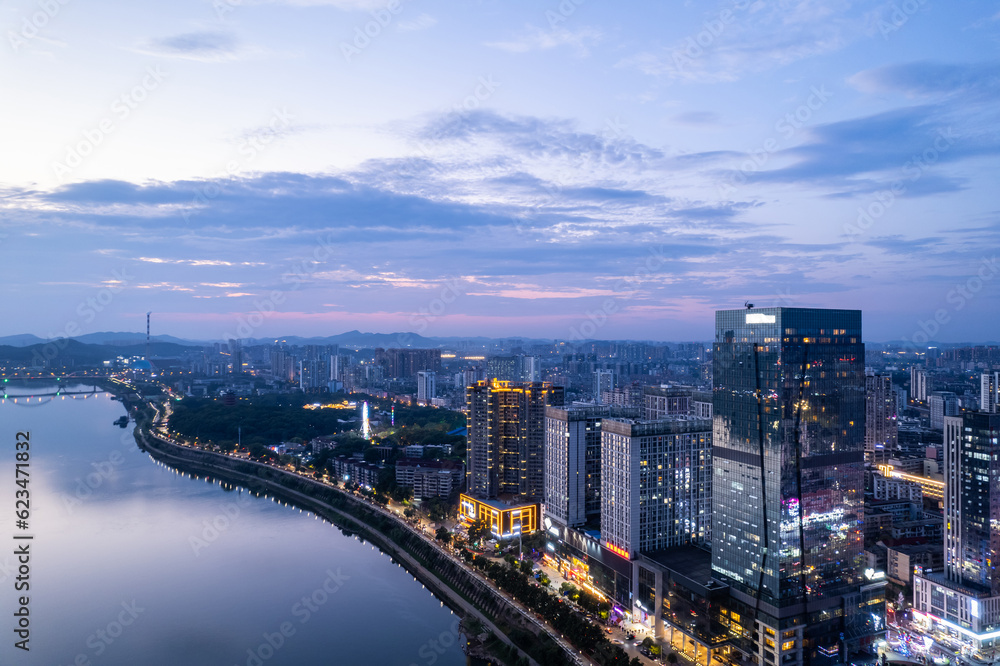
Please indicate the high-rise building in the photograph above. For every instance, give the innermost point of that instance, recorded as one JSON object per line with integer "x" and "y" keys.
{"x": 426, "y": 385}
{"x": 989, "y": 392}
{"x": 656, "y": 483}
{"x": 506, "y": 437}
{"x": 604, "y": 381}
{"x": 573, "y": 461}
{"x": 516, "y": 368}
{"x": 235, "y": 357}
{"x": 918, "y": 383}
{"x": 942, "y": 404}
{"x": 531, "y": 369}
{"x": 503, "y": 368}
{"x": 881, "y": 424}
{"x": 788, "y": 482}
{"x": 964, "y": 599}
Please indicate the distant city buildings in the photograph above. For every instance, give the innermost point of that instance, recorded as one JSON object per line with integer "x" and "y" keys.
{"x": 406, "y": 363}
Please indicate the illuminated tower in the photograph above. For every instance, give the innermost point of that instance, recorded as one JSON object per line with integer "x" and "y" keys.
{"x": 788, "y": 482}
{"x": 366, "y": 426}
{"x": 506, "y": 425}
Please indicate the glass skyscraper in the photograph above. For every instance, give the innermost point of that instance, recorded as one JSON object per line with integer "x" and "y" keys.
{"x": 788, "y": 481}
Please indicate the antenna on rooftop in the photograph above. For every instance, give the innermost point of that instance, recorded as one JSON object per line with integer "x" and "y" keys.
{"x": 748, "y": 305}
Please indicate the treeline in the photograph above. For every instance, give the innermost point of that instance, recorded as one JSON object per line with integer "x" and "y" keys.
{"x": 264, "y": 420}
{"x": 560, "y": 615}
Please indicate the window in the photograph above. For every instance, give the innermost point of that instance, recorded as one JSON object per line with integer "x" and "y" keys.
{"x": 788, "y": 645}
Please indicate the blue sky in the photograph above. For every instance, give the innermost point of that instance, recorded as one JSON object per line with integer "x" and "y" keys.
{"x": 583, "y": 168}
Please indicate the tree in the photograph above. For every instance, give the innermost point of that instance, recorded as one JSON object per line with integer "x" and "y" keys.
{"x": 479, "y": 531}
{"x": 443, "y": 535}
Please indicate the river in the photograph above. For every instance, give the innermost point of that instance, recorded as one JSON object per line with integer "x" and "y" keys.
{"x": 134, "y": 563}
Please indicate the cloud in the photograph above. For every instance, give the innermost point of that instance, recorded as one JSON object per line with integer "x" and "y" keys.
{"x": 537, "y": 39}
{"x": 205, "y": 46}
{"x": 909, "y": 144}
{"x": 536, "y": 137}
{"x": 751, "y": 37}
{"x": 980, "y": 81}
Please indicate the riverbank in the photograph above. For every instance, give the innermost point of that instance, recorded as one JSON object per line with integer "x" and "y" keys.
{"x": 464, "y": 591}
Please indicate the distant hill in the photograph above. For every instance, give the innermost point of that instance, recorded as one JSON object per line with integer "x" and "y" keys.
{"x": 22, "y": 340}
{"x": 83, "y": 353}
{"x": 118, "y": 339}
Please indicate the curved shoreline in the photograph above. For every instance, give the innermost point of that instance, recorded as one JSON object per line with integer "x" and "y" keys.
{"x": 464, "y": 591}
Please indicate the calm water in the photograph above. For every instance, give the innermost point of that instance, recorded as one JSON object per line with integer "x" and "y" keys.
{"x": 133, "y": 563}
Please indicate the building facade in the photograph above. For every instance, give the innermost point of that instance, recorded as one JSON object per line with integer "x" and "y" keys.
{"x": 881, "y": 425}
{"x": 426, "y": 385}
{"x": 918, "y": 383}
{"x": 964, "y": 599}
{"x": 788, "y": 458}
{"x": 989, "y": 392}
{"x": 573, "y": 462}
{"x": 656, "y": 484}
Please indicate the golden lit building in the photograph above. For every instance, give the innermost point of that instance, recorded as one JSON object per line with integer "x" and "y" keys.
{"x": 504, "y": 519}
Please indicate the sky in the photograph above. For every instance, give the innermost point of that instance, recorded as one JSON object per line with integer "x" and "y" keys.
{"x": 574, "y": 169}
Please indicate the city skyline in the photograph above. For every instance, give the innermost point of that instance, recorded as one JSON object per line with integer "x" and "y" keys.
{"x": 499, "y": 170}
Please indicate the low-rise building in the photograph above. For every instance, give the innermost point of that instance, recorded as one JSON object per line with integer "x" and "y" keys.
{"x": 901, "y": 560}
{"x": 429, "y": 478}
